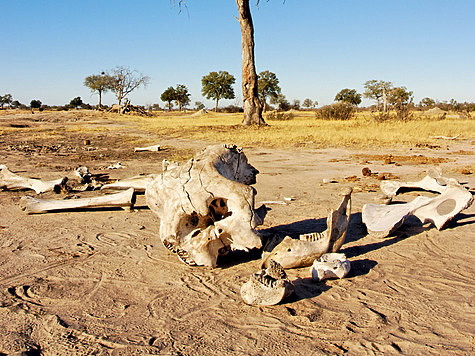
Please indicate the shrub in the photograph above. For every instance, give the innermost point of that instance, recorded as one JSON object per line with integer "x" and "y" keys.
{"x": 336, "y": 111}
{"x": 279, "y": 115}
{"x": 231, "y": 109}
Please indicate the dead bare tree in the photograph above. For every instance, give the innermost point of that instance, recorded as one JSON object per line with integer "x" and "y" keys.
{"x": 251, "y": 103}
{"x": 124, "y": 81}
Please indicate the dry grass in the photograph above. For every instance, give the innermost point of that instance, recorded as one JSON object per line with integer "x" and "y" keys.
{"x": 304, "y": 130}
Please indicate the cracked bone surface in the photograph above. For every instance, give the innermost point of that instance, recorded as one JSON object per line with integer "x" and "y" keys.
{"x": 139, "y": 183}
{"x": 302, "y": 252}
{"x": 268, "y": 286}
{"x": 12, "y": 181}
{"x": 330, "y": 265}
{"x": 124, "y": 199}
{"x": 206, "y": 206}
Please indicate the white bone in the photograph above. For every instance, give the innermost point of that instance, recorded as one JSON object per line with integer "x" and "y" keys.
{"x": 439, "y": 185}
{"x": 12, "y": 181}
{"x": 293, "y": 253}
{"x": 330, "y": 265}
{"x": 381, "y": 220}
{"x": 37, "y": 206}
{"x": 206, "y": 206}
{"x": 153, "y": 148}
{"x": 443, "y": 208}
{"x": 116, "y": 166}
{"x": 139, "y": 183}
{"x": 267, "y": 287}
{"x": 445, "y": 137}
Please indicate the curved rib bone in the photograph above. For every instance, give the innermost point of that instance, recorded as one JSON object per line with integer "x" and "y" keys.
{"x": 12, "y": 181}
{"x": 124, "y": 199}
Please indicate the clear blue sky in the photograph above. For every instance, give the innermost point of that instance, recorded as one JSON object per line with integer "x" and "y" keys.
{"x": 315, "y": 47}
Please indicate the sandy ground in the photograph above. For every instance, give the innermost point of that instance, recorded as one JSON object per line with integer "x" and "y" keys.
{"x": 100, "y": 282}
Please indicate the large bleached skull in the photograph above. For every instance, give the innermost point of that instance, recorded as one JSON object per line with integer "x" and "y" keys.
{"x": 206, "y": 206}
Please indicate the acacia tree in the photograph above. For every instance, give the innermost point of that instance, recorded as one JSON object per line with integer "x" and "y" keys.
{"x": 218, "y": 85}
{"x": 168, "y": 96}
{"x": 6, "y": 100}
{"x": 350, "y": 96}
{"x": 99, "y": 83}
{"x": 307, "y": 103}
{"x": 251, "y": 103}
{"x": 268, "y": 87}
{"x": 377, "y": 90}
{"x": 124, "y": 81}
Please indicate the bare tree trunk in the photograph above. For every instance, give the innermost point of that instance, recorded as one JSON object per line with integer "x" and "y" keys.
{"x": 100, "y": 98}
{"x": 216, "y": 108}
{"x": 385, "y": 101}
{"x": 252, "y": 106}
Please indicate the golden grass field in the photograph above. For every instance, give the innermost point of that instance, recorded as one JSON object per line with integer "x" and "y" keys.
{"x": 304, "y": 130}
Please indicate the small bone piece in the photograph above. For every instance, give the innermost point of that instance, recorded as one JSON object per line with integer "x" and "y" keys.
{"x": 440, "y": 210}
{"x": 267, "y": 287}
{"x": 12, "y": 181}
{"x": 116, "y": 166}
{"x": 330, "y": 265}
{"x": 124, "y": 199}
{"x": 381, "y": 220}
{"x": 206, "y": 206}
{"x": 139, "y": 183}
{"x": 154, "y": 148}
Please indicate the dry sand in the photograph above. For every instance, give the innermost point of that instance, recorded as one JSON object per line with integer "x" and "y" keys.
{"x": 100, "y": 282}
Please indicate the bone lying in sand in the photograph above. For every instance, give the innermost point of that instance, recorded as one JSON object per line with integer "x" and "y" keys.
{"x": 269, "y": 286}
{"x": 139, "y": 183}
{"x": 154, "y": 148}
{"x": 12, "y": 181}
{"x": 381, "y": 220}
{"x": 302, "y": 252}
{"x": 330, "y": 265}
{"x": 124, "y": 200}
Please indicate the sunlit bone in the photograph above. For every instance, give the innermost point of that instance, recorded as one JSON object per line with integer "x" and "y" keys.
{"x": 124, "y": 200}
{"x": 139, "y": 183}
{"x": 381, "y": 220}
{"x": 330, "y": 265}
{"x": 153, "y": 148}
{"x": 440, "y": 210}
{"x": 301, "y": 252}
{"x": 206, "y": 206}
{"x": 268, "y": 286}
{"x": 438, "y": 185}
{"x": 12, "y": 181}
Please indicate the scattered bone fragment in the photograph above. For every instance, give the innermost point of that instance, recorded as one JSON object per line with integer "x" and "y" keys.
{"x": 330, "y": 265}
{"x": 440, "y": 210}
{"x": 139, "y": 183}
{"x": 381, "y": 220}
{"x": 12, "y": 181}
{"x": 267, "y": 287}
{"x": 301, "y": 252}
{"x": 154, "y": 148}
{"x": 116, "y": 166}
{"x": 124, "y": 200}
{"x": 206, "y": 206}
{"x": 445, "y": 137}
{"x": 83, "y": 174}
{"x": 273, "y": 202}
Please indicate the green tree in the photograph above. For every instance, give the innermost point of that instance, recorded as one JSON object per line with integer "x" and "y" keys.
{"x": 400, "y": 99}
{"x": 35, "y": 104}
{"x": 168, "y": 96}
{"x": 427, "y": 103}
{"x": 99, "y": 83}
{"x": 378, "y": 90}
{"x": 16, "y": 104}
{"x": 182, "y": 97}
{"x": 6, "y": 100}
{"x": 76, "y": 102}
{"x": 218, "y": 85}
{"x": 124, "y": 81}
{"x": 281, "y": 101}
{"x": 199, "y": 105}
{"x": 350, "y": 96}
{"x": 296, "y": 104}
{"x": 268, "y": 86}
{"x": 307, "y": 103}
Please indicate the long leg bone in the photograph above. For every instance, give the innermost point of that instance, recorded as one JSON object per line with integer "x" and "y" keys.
{"x": 153, "y": 148}
{"x": 124, "y": 199}
{"x": 139, "y": 183}
{"x": 12, "y": 181}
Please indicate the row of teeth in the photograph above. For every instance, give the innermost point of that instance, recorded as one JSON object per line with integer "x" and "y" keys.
{"x": 314, "y": 236}
{"x": 183, "y": 255}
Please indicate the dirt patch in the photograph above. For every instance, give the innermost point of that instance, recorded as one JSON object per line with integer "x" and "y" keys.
{"x": 402, "y": 159}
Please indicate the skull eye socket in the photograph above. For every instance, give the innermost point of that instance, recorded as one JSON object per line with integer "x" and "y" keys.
{"x": 289, "y": 250}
